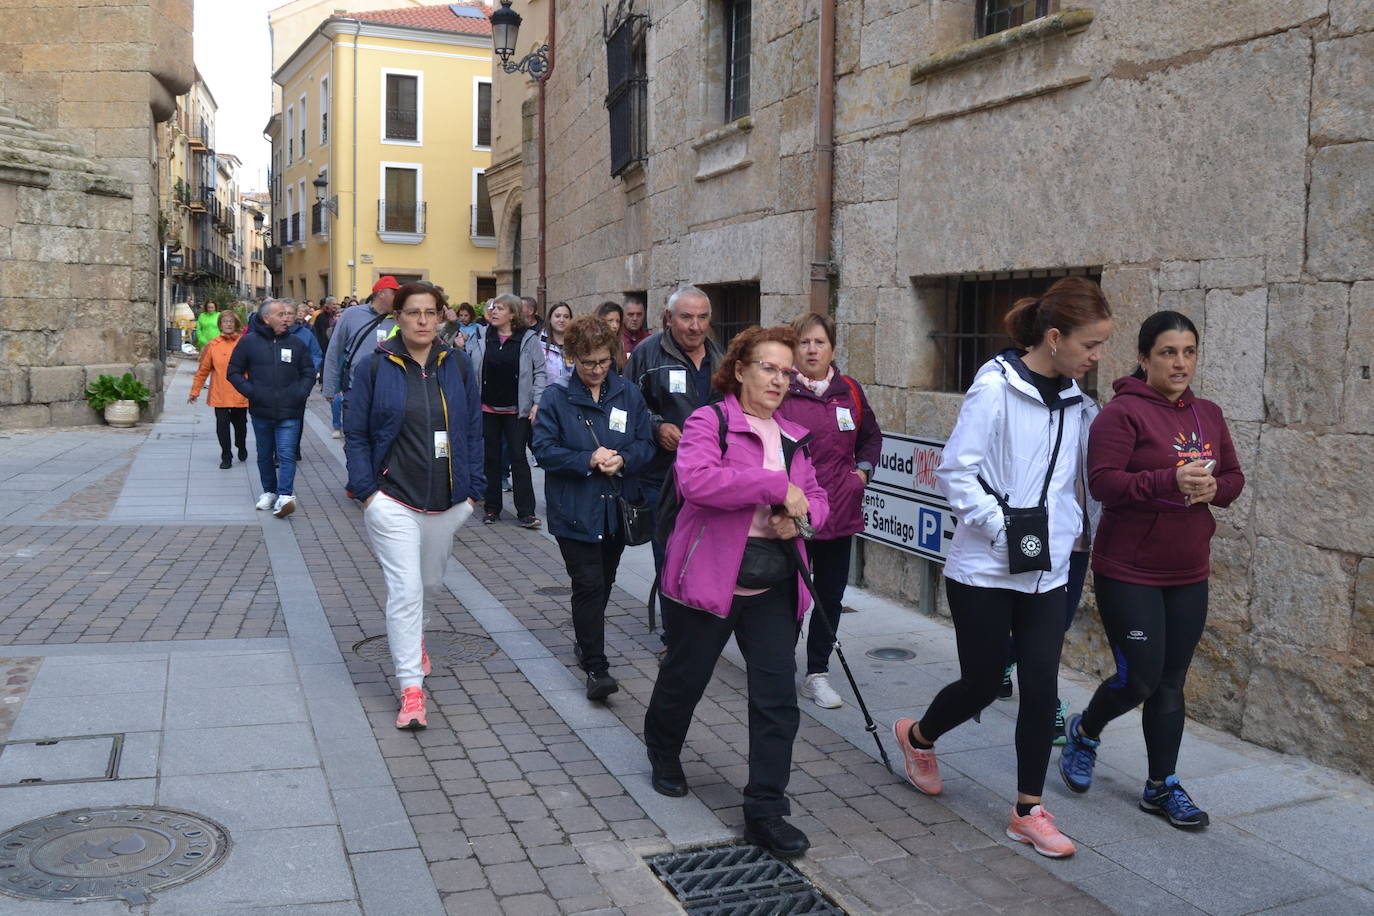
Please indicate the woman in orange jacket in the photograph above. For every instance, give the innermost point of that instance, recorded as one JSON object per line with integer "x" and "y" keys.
{"x": 231, "y": 408}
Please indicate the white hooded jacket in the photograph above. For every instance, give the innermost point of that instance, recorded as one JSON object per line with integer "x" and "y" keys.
{"x": 1006, "y": 434}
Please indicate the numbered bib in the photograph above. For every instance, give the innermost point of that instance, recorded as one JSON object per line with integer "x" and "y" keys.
{"x": 677, "y": 381}
{"x": 844, "y": 419}
{"x": 286, "y": 356}
{"x": 441, "y": 443}
{"x": 618, "y": 419}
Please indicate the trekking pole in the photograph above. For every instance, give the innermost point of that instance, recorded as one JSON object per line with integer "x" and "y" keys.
{"x": 819, "y": 612}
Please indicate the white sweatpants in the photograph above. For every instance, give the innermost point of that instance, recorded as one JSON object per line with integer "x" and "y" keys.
{"x": 412, "y": 548}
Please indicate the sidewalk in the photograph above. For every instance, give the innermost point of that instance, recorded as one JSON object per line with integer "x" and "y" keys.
{"x": 141, "y": 596}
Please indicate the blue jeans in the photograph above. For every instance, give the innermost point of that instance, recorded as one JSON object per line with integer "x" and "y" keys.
{"x": 336, "y": 410}
{"x": 284, "y": 437}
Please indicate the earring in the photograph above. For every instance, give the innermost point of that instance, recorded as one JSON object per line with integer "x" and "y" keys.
{"x": 1053, "y": 352}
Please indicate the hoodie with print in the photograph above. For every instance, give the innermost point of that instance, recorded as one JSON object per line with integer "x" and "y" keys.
{"x": 1149, "y": 535}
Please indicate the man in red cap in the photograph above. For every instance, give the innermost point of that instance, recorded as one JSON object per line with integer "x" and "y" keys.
{"x": 359, "y": 328}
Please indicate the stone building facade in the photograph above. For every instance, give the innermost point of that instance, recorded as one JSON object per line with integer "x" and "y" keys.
{"x": 1211, "y": 157}
{"x": 82, "y": 86}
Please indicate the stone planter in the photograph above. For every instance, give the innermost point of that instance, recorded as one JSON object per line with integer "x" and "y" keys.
{"x": 122, "y": 413}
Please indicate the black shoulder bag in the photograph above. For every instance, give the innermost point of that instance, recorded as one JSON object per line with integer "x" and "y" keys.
{"x": 1028, "y": 530}
{"x": 636, "y": 516}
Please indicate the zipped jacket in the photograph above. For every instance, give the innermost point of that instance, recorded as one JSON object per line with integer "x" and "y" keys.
{"x": 836, "y": 452}
{"x": 274, "y": 373}
{"x": 348, "y": 340}
{"x": 1005, "y": 434}
{"x": 214, "y": 365}
{"x": 650, "y": 370}
{"x": 532, "y": 378}
{"x": 307, "y": 336}
{"x": 377, "y": 407}
{"x": 581, "y": 502}
{"x": 719, "y": 494}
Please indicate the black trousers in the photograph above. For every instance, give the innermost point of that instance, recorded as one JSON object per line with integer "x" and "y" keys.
{"x": 226, "y": 417}
{"x": 591, "y": 566}
{"x": 983, "y": 619}
{"x": 515, "y": 432}
{"x": 830, "y": 571}
{"x": 765, "y": 627}
{"x": 1153, "y": 631}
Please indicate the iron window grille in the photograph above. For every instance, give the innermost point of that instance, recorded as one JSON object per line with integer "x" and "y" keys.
{"x": 402, "y": 107}
{"x": 734, "y": 307}
{"x": 999, "y": 15}
{"x": 401, "y": 215}
{"x": 317, "y": 211}
{"x": 974, "y": 306}
{"x": 484, "y": 114}
{"x": 627, "y": 96}
{"x": 738, "y": 15}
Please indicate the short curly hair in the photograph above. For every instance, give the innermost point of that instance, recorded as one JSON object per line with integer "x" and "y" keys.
{"x": 585, "y": 335}
{"x": 741, "y": 350}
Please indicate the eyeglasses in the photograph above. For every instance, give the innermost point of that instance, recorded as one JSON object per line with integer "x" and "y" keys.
{"x": 787, "y": 373}
{"x": 427, "y": 314}
{"x": 590, "y": 366}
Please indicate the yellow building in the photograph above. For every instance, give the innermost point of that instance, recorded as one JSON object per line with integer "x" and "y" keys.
{"x": 390, "y": 112}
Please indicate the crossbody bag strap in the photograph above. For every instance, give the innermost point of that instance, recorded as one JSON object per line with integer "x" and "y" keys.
{"x": 1054, "y": 457}
{"x": 615, "y": 483}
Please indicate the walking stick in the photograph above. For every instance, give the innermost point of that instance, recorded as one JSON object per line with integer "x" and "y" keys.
{"x": 869, "y": 725}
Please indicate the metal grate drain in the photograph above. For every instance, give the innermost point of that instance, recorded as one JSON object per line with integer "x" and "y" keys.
{"x": 445, "y": 647}
{"x": 739, "y": 881}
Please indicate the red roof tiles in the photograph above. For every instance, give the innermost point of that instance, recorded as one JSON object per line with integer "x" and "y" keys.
{"x": 438, "y": 17}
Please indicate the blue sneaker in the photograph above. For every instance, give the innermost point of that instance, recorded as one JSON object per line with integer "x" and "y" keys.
{"x": 1077, "y": 758}
{"x": 1171, "y": 800}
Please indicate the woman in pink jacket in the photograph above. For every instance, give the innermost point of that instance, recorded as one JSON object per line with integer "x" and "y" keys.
{"x": 747, "y": 487}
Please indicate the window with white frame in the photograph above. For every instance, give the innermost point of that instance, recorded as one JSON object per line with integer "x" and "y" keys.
{"x": 290, "y": 133}
{"x": 401, "y": 208}
{"x": 482, "y": 226}
{"x": 304, "y": 122}
{"x": 481, "y": 113}
{"x": 291, "y": 221}
{"x": 301, "y": 200}
{"x": 402, "y": 103}
{"x": 324, "y": 111}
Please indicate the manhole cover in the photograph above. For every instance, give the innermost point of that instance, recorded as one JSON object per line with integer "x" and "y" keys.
{"x": 738, "y": 880}
{"x": 445, "y": 647}
{"x": 553, "y": 590}
{"x": 890, "y": 654}
{"x": 108, "y": 853}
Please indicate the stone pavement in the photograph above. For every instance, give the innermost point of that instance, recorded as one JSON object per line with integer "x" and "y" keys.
{"x": 143, "y": 596}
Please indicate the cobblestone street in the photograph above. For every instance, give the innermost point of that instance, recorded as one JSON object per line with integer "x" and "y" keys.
{"x": 140, "y": 595}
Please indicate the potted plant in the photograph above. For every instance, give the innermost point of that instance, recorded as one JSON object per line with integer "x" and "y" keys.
{"x": 120, "y": 398}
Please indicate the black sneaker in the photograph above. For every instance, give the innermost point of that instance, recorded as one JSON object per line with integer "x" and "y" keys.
{"x": 777, "y": 836}
{"x": 667, "y": 777}
{"x": 530, "y": 521}
{"x": 1171, "y": 800}
{"x": 243, "y": 453}
{"x": 226, "y": 462}
{"x": 490, "y": 518}
{"x": 1005, "y": 692}
{"x": 600, "y": 685}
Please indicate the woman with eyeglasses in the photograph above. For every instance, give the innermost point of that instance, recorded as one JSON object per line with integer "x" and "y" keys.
{"x": 592, "y": 437}
{"x": 413, "y": 442}
{"x": 747, "y": 489}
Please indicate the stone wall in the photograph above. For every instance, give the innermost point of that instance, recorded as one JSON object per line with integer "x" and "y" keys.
{"x": 83, "y": 84}
{"x": 1210, "y": 157}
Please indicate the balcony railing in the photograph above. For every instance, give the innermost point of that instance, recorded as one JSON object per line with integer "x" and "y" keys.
{"x": 282, "y": 237}
{"x": 480, "y": 222}
{"x": 317, "y": 224}
{"x": 295, "y": 233}
{"x": 401, "y": 216}
{"x": 402, "y": 124}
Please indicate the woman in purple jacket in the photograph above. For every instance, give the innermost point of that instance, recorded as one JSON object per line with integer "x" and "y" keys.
{"x": 845, "y": 443}
{"x": 727, "y": 571}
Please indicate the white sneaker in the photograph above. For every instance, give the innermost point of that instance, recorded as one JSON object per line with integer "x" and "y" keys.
{"x": 817, "y": 687}
{"x": 338, "y": 434}
{"x": 284, "y": 507}
{"x": 266, "y": 500}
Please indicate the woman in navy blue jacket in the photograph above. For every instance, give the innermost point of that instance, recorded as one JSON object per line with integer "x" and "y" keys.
{"x": 591, "y": 437}
{"x": 413, "y": 440}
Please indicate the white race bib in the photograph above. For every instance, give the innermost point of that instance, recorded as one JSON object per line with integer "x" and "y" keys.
{"x": 441, "y": 443}
{"x": 677, "y": 381}
{"x": 618, "y": 418}
{"x": 843, "y": 418}
{"x": 286, "y": 356}
{"x": 381, "y": 335}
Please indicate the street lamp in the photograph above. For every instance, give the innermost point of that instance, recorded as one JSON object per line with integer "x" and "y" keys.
{"x": 258, "y": 220}
{"x": 321, "y": 185}
{"x": 505, "y": 29}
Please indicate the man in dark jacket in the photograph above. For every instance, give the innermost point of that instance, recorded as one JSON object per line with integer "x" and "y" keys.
{"x": 273, "y": 369}
{"x": 672, "y": 369}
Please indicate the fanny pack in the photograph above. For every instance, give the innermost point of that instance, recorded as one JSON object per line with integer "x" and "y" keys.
{"x": 766, "y": 563}
{"x": 1028, "y": 530}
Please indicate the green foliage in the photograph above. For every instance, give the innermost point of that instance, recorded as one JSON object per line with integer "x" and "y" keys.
{"x": 107, "y": 389}
{"x": 218, "y": 292}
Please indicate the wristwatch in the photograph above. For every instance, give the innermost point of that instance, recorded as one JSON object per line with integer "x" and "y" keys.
{"x": 804, "y": 526}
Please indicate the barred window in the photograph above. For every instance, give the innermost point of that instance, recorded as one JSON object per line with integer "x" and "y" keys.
{"x": 627, "y": 96}
{"x": 734, "y": 307}
{"x": 738, "y": 15}
{"x": 999, "y": 15}
{"x": 402, "y": 107}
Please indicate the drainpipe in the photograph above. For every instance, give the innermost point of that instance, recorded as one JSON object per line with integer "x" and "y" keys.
{"x": 541, "y": 293}
{"x": 353, "y": 259}
{"x": 825, "y": 160}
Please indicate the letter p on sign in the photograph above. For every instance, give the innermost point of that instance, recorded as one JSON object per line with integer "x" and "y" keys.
{"x": 929, "y": 534}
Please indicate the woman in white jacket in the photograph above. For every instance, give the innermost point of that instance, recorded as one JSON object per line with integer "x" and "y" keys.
{"x": 1013, "y": 452}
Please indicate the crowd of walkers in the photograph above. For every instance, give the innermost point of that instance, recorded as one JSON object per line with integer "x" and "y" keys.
{"x": 745, "y": 468}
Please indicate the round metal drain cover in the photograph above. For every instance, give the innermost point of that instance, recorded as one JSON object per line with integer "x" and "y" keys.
{"x": 890, "y": 654}
{"x": 553, "y": 590}
{"x": 108, "y": 853}
{"x": 445, "y": 647}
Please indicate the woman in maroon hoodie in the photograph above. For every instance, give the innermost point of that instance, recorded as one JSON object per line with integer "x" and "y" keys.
{"x": 845, "y": 444}
{"x": 1156, "y": 457}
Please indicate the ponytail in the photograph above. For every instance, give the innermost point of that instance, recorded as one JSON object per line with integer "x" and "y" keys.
{"x": 1023, "y": 323}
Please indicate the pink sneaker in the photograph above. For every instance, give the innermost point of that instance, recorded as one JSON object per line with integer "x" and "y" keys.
{"x": 425, "y": 666}
{"x": 921, "y": 767}
{"x": 1037, "y": 829}
{"x": 412, "y": 713}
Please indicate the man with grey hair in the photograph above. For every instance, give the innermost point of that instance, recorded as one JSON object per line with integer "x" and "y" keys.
{"x": 272, "y": 368}
{"x": 672, "y": 369}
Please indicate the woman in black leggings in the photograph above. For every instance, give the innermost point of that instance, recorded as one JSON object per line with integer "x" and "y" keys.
{"x": 1157, "y": 456}
{"x": 1015, "y": 447}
